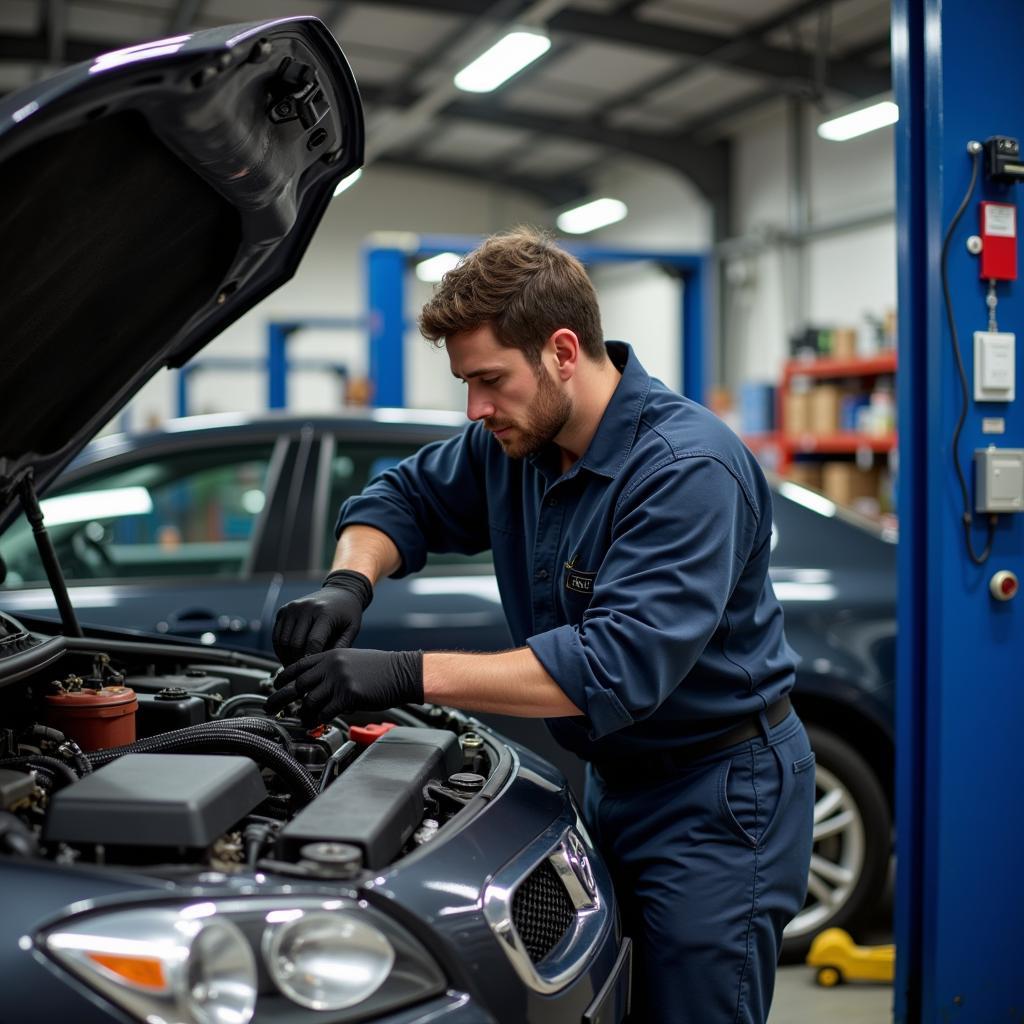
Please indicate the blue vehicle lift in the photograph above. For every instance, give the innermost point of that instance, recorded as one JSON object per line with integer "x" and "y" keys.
{"x": 386, "y": 267}
{"x": 960, "y": 693}
{"x": 276, "y": 362}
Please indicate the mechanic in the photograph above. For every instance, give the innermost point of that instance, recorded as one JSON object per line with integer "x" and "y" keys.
{"x": 631, "y": 532}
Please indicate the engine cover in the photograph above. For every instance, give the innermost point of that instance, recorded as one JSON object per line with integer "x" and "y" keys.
{"x": 180, "y": 800}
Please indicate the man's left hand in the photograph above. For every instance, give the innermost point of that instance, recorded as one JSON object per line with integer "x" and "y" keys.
{"x": 343, "y": 680}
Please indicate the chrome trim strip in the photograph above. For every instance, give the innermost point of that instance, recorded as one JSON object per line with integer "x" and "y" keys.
{"x": 569, "y": 854}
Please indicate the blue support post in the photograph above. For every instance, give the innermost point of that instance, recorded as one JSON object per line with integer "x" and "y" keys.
{"x": 960, "y": 698}
{"x": 385, "y": 279}
{"x": 182, "y": 389}
{"x": 277, "y": 365}
{"x": 697, "y": 301}
{"x": 696, "y": 312}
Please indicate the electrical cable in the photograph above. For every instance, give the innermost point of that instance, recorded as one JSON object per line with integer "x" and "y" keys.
{"x": 975, "y": 151}
{"x": 220, "y": 738}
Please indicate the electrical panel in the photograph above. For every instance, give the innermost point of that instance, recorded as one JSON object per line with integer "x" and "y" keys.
{"x": 995, "y": 368}
{"x": 999, "y": 480}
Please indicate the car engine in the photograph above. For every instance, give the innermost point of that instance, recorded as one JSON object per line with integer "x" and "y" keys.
{"x": 140, "y": 754}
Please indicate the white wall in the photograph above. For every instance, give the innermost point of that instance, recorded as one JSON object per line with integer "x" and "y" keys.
{"x": 845, "y": 275}
{"x": 331, "y": 282}
{"x": 639, "y": 303}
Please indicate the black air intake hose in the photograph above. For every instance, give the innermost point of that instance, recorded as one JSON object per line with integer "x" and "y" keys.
{"x": 265, "y": 727}
{"x": 209, "y": 738}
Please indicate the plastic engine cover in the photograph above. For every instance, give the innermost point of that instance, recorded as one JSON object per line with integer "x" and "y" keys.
{"x": 377, "y": 803}
{"x": 157, "y": 800}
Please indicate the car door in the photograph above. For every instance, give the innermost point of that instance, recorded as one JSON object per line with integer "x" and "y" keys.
{"x": 452, "y": 604}
{"x": 162, "y": 538}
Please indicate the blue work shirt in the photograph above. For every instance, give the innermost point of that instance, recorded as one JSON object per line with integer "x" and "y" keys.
{"x": 638, "y": 577}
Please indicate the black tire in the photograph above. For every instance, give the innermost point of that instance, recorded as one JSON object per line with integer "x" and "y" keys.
{"x": 865, "y": 851}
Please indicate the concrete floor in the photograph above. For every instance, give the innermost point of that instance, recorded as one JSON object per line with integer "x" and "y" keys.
{"x": 798, "y": 1000}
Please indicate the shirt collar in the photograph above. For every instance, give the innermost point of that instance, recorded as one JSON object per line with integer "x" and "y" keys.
{"x": 616, "y": 432}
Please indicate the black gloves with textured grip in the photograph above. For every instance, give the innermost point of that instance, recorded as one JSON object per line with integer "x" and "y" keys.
{"x": 329, "y": 618}
{"x": 340, "y": 681}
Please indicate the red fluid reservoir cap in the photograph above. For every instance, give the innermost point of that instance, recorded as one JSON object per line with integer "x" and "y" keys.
{"x": 366, "y": 734}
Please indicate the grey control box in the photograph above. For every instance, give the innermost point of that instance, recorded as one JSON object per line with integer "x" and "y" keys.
{"x": 999, "y": 479}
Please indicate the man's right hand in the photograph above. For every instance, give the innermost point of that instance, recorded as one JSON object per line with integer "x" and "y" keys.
{"x": 331, "y": 617}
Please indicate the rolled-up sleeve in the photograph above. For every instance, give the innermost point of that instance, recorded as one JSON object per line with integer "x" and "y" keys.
{"x": 434, "y": 500}
{"x": 681, "y": 536}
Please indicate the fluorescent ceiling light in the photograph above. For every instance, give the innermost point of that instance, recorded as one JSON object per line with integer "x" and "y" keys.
{"x": 502, "y": 61}
{"x": 591, "y": 216}
{"x": 436, "y": 267}
{"x": 852, "y": 123}
{"x": 348, "y": 182}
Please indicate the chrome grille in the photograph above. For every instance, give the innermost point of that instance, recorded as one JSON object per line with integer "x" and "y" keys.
{"x": 542, "y": 911}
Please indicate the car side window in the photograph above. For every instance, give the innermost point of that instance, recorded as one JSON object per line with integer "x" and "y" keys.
{"x": 181, "y": 514}
{"x": 354, "y": 465}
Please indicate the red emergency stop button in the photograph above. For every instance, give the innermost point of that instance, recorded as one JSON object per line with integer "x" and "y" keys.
{"x": 1004, "y": 585}
{"x": 366, "y": 734}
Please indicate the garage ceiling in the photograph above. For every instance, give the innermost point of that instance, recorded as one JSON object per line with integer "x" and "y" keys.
{"x": 660, "y": 79}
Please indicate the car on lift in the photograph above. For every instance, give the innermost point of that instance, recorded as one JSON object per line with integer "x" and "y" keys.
{"x": 168, "y": 852}
{"x": 205, "y": 528}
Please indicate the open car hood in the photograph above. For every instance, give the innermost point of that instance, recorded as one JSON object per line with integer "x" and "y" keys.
{"x": 150, "y": 198}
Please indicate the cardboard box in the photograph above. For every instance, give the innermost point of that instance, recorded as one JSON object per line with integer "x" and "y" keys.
{"x": 796, "y": 413}
{"x": 806, "y": 474}
{"x": 825, "y": 404}
{"x": 844, "y": 483}
{"x": 844, "y": 343}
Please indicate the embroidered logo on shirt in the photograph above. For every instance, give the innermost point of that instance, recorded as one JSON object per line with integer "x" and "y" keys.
{"x": 578, "y": 581}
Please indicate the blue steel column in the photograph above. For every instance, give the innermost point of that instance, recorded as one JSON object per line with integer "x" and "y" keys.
{"x": 696, "y": 312}
{"x": 385, "y": 280}
{"x": 960, "y": 693}
{"x": 277, "y": 365}
{"x": 182, "y": 390}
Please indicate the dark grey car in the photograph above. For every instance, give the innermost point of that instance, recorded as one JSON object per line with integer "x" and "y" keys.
{"x": 236, "y": 516}
{"x": 167, "y": 851}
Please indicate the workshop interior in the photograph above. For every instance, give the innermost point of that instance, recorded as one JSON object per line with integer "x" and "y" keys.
{"x": 221, "y": 225}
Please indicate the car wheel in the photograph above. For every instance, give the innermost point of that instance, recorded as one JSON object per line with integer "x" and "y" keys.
{"x": 852, "y": 840}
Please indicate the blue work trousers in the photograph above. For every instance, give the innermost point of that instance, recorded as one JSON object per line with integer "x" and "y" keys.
{"x": 709, "y": 866}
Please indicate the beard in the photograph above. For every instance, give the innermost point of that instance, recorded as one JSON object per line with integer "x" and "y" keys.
{"x": 546, "y": 415}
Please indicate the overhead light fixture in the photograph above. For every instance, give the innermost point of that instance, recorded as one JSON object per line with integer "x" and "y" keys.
{"x": 502, "y": 61}
{"x": 348, "y": 182}
{"x": 436, "y": 267}
{"x": 859, "y": 120}
{"x": 593, "y": 215}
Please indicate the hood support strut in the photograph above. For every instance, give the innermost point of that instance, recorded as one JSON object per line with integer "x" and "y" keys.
{"x": 34, "y": 514}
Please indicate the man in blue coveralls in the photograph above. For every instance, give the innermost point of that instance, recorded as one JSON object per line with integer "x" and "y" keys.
{"x": 631, "y": 532}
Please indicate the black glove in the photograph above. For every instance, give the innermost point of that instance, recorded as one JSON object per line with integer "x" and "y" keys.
{"x": 343, "y": 680}
{"x": 329, "y": 618}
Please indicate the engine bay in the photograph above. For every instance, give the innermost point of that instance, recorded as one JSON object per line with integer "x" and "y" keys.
{"x": 160, "y": 758}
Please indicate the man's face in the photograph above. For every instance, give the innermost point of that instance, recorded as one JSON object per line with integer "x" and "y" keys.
{"x": 522, "y": 405}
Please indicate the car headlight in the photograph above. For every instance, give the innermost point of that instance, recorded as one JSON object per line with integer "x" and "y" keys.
{"x": 328, "y": 960}
{"x": 163, "y": 965}
{"x": 200, "y": 963}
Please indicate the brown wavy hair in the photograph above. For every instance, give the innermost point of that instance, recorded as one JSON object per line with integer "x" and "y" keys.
{"x": 523, "y": 285}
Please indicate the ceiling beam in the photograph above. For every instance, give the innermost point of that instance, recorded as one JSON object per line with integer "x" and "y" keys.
{"x": 773, "y": 62}
{"x": 706, "y": 165}
{"x": 183, "y": 17}
{"x": 736, "y": 47}
{"x": 788, "y": 66}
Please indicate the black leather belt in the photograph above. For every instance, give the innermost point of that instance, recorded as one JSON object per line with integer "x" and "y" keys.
{"x": 665, "y": 762}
